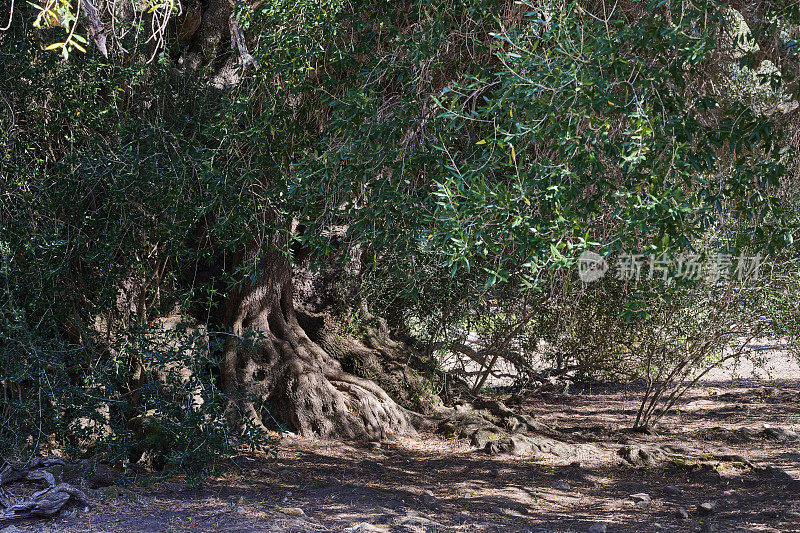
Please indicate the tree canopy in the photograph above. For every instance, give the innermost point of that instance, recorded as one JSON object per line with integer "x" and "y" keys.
{"x": 429, "y": 167}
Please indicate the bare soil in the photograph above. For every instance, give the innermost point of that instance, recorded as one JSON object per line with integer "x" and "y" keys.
{"x": 431, "y": 484}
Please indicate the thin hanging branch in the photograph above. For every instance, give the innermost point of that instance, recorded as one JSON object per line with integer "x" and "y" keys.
{"x": 10, "y": 17}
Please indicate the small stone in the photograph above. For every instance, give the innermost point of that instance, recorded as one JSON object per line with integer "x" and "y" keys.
{"x": 774, "y": 472}
{"x": 561, "y": 485}
{"x": 672, "y": 491}
{"x": 481, "y": 438}
{"x": 429, "y": 499}
{"x": 781, "y": 434}
{"x": 599, "y": 527}
{"x": 641, "y": 497}
{"x": 706, "y": 508}
{"x": 682, "y": 513}
{"x": 638, "y": 455}
{"x": 291, "y": 511}
{"x": 745, "y": 434}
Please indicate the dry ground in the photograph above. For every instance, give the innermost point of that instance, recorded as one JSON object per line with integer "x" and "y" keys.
{"x": 429, "y": 484}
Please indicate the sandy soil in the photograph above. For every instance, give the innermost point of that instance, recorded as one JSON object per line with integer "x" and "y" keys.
{"x": 429, "y": 484}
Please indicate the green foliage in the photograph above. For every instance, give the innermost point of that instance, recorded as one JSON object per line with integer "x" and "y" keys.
{"x": 104, "y": 175}
{"x": 469, "y": 149}
{"x": 564, "y": 132}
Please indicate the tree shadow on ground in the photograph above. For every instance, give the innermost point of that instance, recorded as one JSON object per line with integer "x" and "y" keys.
{"x": 426, "y": 484}
{"x": 408, "y": 490}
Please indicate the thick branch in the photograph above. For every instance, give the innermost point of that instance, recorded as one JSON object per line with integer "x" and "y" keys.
{"x": 238, "y": 40}
{"x": 96, "y": 28}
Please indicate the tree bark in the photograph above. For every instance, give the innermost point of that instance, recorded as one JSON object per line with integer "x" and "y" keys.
{"x": 274, "y": 371}
{"x": 271, "y": 369}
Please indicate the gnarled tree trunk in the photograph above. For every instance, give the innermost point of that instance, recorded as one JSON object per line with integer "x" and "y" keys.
{"x": 275, "y": 370}
{"x": 271, "y": 368}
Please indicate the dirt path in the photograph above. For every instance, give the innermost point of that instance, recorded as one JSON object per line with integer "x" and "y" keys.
{"x": 429, "y": 484}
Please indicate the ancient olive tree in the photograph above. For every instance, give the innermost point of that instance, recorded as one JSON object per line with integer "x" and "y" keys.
{"x": 190, "y": 158}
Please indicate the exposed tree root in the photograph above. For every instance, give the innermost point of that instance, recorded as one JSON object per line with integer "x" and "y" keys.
{"x": 719, "y": 457}
{"x": 44, "y": 503}
{"x": 494, "y": 428}
{"x": 647, "y": 455}
{"x": 279, "y": 374}
{"x": 408, "y": 378}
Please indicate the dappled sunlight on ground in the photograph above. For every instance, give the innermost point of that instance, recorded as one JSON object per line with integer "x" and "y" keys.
{"x": 428, "y": 483}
